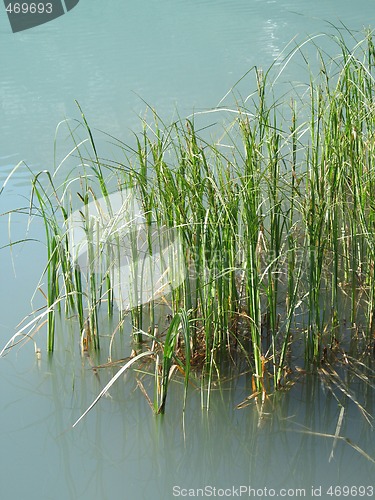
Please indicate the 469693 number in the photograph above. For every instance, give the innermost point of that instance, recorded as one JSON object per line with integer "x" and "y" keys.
{"x": 350, "y": 491}
{"x": 29, "y": 8}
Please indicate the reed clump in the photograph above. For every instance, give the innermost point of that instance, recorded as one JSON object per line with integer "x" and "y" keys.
{"x": 270, "y": 232}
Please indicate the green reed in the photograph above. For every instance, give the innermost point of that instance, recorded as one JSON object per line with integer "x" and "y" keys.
{"x": 276, "y": 221}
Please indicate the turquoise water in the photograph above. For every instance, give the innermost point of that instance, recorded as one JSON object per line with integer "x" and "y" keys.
{"x": 180, "y": 57}
{"x": 170, "y": 54}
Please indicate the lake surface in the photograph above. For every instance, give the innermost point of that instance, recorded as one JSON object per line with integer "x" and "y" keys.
{"x": 113, "y": 58}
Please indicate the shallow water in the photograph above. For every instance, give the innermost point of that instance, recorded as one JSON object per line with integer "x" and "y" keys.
{"x": 122, "y": 450}
{"x": 172, "y": 55}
